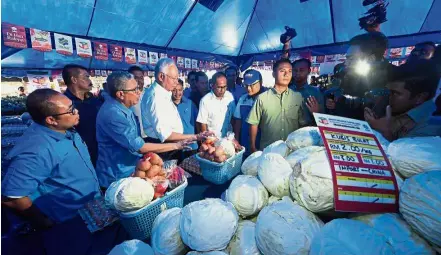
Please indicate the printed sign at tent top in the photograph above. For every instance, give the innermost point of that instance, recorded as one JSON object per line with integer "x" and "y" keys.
{"x": 116, "y": 52}
{"x": 84, "y": 48}
{"x": 396, "y": 52}
{"x": 363, "y": 178}
{"x": 142, "y": 57}
{"x": 130, "y": 55}
{"x": 194, "y": 64}
{"x": 101, "y": 51}
{"x": 201, "y": 64}
{"x": 187, "y": 63}
{"x": 180, "y": 62}
{"x": 41, "y": 40}
{"x": 409, "y": 50}
{"x": 153, "y": 58}
{"x": 14, "y": 36}
{"x": 63, "y": 44}
{"x": 162, "y": 55}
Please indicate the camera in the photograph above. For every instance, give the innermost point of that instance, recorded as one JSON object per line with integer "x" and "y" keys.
{"x": 288, "y": 35}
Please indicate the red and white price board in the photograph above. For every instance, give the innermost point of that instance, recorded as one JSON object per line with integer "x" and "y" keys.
{"x": 362, "y": 175}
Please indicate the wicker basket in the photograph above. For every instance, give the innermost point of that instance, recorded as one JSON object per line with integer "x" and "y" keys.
{"x": 139, "y": 223}
{"x": 220, "y": 173}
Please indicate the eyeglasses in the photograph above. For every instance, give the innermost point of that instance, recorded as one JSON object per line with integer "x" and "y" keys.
{"x": 136, "y": 90}
{"x": 71, "y": 111}
{"x": 173, "y": 78}
{"x": 221, "y": 88}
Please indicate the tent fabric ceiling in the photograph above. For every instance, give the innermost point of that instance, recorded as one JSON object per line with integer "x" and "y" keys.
{"x": 237, "y": 27}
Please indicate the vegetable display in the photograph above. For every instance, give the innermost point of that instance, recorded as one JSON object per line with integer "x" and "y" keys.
{"x": 219, "y": 150}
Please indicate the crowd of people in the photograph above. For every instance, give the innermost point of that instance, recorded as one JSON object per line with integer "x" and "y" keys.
{"x": 79, "y": 144}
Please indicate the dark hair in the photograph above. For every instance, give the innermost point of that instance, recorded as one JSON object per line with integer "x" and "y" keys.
{"x": 39, "y": 104}
{"x": 419, "y": 77}
{"x": 181, "y": 82}
{"x": 200, "y": 74}
{"x": 426, "y": 43}
{"x": 69, "y": 71}
{"x": 217, "y": 76}
{"x": 135, "y": 68}
{"x": 371, "y": 43}
{"x": 192, "y": 73}
{"x": 232, "y": 68}
{"x": 279, "y": 62}
{"x": 305, "y": 60}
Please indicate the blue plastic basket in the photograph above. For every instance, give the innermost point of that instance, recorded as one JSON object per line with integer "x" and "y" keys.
{"x": 139, "y": 223}
{"x": 220, "y": 173}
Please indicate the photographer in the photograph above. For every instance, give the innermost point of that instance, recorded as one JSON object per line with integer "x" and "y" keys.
{"x": 364, "y": 78}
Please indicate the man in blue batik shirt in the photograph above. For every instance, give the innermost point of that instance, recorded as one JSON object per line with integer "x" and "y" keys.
{"x": 120, "y": 144}
{"x": 188, "y": 112}
{"x": 253, "y": 84}
{"x": 52, "y": 160}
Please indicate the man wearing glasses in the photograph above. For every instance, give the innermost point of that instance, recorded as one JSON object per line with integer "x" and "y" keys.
{"x": 120, "y": 144}
{"x": 217, "y": 108}
{"x": 138, "y": 74}
{"x": 50, "y": 177}
{"x": 78, "y": 84}
{"x": 160, "y": 117}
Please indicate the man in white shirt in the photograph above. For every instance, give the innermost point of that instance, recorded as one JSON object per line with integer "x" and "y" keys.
{"x": 160, "y": 117}
{"x": 217, "y": 107}
{"x": 138, "y": 74}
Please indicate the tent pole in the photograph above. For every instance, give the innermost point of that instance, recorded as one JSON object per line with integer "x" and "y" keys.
{"x": 248, "y": 28}
{"x": 91, "y": 18}
{"x": 332, "y": 20}
{"x": 180, "y": 24}
{"x": 422, "y": 25}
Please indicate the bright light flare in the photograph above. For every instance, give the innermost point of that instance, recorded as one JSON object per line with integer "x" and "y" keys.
{"x": 362, "y": 67}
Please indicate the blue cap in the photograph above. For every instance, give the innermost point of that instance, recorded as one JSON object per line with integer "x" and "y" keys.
{"x": 251, "y": 76}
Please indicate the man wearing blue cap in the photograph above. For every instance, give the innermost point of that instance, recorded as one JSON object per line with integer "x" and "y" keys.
{"x": 236, "y": 89}
{"x": 253, "y": 84}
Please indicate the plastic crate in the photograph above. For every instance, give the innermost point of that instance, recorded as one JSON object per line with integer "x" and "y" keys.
{"x": 139, "y": 223}
{"x": 220, "y": 173}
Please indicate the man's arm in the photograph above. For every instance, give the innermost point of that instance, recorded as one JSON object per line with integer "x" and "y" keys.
{"x": 254, "y": 119}
{"x": 204, "y": 127}
{"x": 25, "y": 208}
{"x": 202, "y": 119}
{"x": 236, "y": 129}
{"x": 253, "y": 134}
{"x": 286, "y": 47}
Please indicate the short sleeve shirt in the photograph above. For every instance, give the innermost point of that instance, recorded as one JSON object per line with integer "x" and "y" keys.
{"x": 55, "y": 165}
{"x": 188, "y": 112}
{"x": 277, "y": 115}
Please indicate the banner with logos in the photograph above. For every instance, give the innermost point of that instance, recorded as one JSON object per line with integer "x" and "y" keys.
{"x": 63, "y": 44}
{"x": 180, "y": 62}
{"x": 101, "y": 51}
{"x": 194, "y": 64}
{"x": 162, "y": 55}
{"x": 84, "y": 48}
{"x": 142, "y": 57}
{"x": 40, "y": 40}
{"x": 187, "y": 63}
{"x": 116, "y": 52}
{"x": 14, "y": 36}
{"x": 130, "y": 55}
{"x": 153, "y": 58}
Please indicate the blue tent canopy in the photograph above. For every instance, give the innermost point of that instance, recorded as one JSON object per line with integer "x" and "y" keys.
{"x": 210, "y": 29}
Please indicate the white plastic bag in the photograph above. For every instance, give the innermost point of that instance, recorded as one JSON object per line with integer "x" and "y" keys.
{"x": 274, "y": 172}
{"x": 166, "y": 236}
{"x": 304, "y": 137}
{"x": 249, "y": 166}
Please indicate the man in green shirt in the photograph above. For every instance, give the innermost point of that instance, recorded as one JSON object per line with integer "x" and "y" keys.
{"x": 278, "y": 111}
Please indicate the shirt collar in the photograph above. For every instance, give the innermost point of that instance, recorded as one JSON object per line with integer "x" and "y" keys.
{"x": 119, "y": 105}
{"x": 422, "y": 112}
{"x": 161, "y": 91}
{"x": 49, "y": 132}
{"x": 71, "y": 96}
{"x": 276, "y": 93}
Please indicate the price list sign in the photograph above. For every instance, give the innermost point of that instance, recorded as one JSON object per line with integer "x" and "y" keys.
{"x": 362, "y": 175}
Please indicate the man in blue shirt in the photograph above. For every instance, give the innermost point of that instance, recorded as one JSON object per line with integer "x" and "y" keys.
{"x": 78, "y": 84}
{"x": 312, "y": 97}
{"x": 234, "y": 88}
{"x": 120, "y": 144}
{"x": 191, "y": 79}
{"x": 50, "y": 176}
{"x": 188, "y": 112}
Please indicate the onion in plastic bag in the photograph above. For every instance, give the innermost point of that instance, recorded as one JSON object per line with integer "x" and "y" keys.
{"x": 247, "y": 194}
{"x": 311, "y": 182}
{"x": 286, "y": 228}
{"x": 343, "y": 236}
{"x": 166, "y": 236}
{"x": 398, "y": 233}
{"x": 278, "y": 147}
{"x": 304, "y": 137}
{"x": 132, "y": 247}
{"x": 274, "y": 172}
{"x": 208, "y": 225}
{"x": 411, "y": 156}
{"x": 227, "y": 144}
{"x": 249, "y": 166}
{"x": 296, "y": 156}
{"x": 134, "y": 194}
{"x": 420, "y": 205}
{"x": 244, "y": 241}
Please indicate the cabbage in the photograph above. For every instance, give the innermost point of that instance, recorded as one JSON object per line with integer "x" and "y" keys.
{"x": 274, "y": 172}
{"x": 244, "y": 241}
{"x": 227, "y": 145}
{"x": 208, "y": 225}
{"x": 112, "y": 191}
{"x": 311, "y": 181}
{"x": 420, "y": 205}
{"x": 166, "y": 236}
{"x": 134, "y": 194}
{"x": 299, "y": 154}
{"x": 304, "y": 137}
{"x": 207, "y": 253}
{"x": 411, "y": 156}
{"x": 286, "y": 228}
{"x": 132, "y": 247}
{"x": 273, "y": 199}
{"x": 398, "y": 233}
{"x": 278, "y": 147}
{"x": 247, "y": 194}
{"x": 343, "y": 236}
{"x": 249, "y": 166}
{"x": 383, "y": 141}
